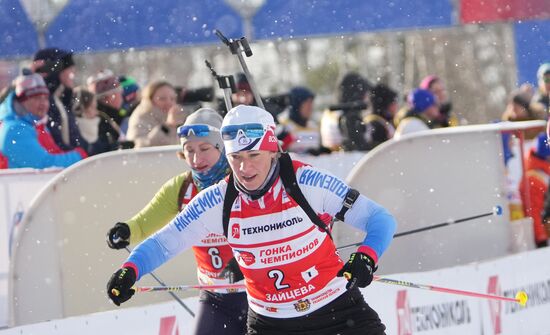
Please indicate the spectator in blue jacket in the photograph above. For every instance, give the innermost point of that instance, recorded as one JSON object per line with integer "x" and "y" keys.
{"x": 20, "y": 113}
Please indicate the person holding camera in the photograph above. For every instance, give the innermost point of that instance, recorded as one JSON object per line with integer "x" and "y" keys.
{"x": 342, "y": 125}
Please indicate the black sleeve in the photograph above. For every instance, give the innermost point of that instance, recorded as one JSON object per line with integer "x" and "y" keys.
{"x": 375, "y": 134}
{"x": 54, "y": 126}
{"x": 74, "y": 133}
{"x": 353, "y": 132}
{"x": 107, "y": 139}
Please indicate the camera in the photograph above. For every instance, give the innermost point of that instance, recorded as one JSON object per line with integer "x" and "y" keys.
{"x": 194, "y": 96}
{"x": 276, "y": 104}
{"x": 349, "y": 106}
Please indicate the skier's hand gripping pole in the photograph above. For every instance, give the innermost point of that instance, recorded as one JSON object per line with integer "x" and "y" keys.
{"x": 120, "y": 286}
{"x": 118, "y": 236}
{"x": 358, "y": 270}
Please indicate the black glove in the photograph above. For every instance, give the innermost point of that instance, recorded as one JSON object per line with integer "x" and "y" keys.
{"x": 358, "y": 270}
{"x": 232, "y": 271}
{"x": 117, "y": 237}
{"x": 119, "y": 287}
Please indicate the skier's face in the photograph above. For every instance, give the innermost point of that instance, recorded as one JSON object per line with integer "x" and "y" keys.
{"x": 200, "y": 156}
{"x": 251, "y": 167}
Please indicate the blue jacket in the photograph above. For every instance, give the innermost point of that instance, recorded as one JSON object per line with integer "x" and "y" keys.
{"x": 19, "y": 141}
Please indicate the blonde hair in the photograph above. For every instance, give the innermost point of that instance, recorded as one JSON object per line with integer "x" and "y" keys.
{"x": 152, "y": 88}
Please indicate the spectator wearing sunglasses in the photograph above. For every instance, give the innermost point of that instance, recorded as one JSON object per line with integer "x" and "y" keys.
{"x": 220, "y": 311}
{"x": 277, "y": 214}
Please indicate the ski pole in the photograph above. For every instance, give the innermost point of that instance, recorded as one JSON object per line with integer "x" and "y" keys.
{"x": 237, "y": 47}
{"x": 497, "y": 210}
{"x": 520, "y": 298}
{"x": 115, "y": 292}
{"x": 188, "y": 287}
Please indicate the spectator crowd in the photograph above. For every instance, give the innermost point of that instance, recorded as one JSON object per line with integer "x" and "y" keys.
{"x": 47, "y": 120}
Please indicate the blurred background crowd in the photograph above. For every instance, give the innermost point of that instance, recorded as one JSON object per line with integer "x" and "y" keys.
{"x": 110, "y": 111}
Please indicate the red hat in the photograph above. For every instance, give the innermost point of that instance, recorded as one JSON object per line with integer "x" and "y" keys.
{"x": 28, "y": 86}
{"x": 242, "y": 83}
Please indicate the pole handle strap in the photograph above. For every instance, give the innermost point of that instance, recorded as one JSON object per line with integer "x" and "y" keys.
{"x": 349, "y": 200}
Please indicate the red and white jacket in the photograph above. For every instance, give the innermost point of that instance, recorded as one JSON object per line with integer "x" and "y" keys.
{"x": 289, "y": 264}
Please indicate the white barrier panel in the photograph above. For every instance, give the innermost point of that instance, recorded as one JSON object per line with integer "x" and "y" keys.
{"x": 338, "y": 163}
{"x": 434, "y": 177}
{"x": 167, "y": 318}
{"x": 17, "y": 188}
{"x": 407, "y": 311}
{"x": 61, "y": 255}
{"x": 529, "y": 272}
{"x": 404, "y": 311}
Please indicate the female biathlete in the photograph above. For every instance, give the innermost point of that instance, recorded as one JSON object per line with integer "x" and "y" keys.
{"x": 220, "y": 311}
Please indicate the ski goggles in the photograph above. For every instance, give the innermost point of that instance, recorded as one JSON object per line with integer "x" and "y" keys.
{"x": 200, "y": 130}
{"x": 250, "y": 130}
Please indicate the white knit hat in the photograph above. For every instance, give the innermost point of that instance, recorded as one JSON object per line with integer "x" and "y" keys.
{"x": 27, "y": 86}
{"x": 247, "y": 128}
